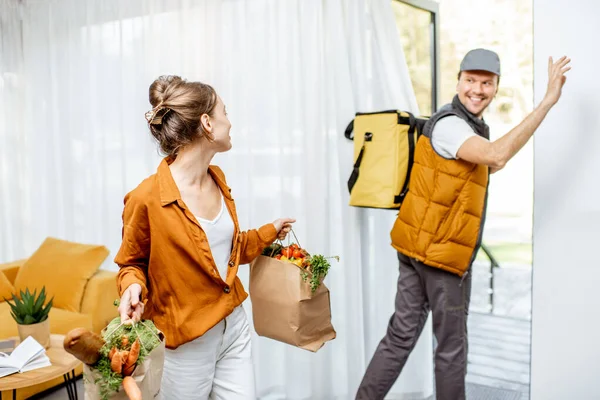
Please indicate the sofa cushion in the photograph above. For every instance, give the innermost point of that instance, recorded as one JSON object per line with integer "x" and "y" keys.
{"x": 61, "y": 321}
{"x": 11, "y": 268}
{"x": 6, "y": 288}
{"x": 64, "y": 268}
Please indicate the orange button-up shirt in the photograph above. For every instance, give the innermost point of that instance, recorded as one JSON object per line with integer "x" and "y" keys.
{"x": 165, "y": 250}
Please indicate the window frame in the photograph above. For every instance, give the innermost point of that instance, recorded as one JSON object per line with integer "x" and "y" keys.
{"x": 434, "y": 28}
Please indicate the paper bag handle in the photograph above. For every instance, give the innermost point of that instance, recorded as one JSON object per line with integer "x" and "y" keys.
{"x": 293, "y": 233}
{"x": 295, "y": 237}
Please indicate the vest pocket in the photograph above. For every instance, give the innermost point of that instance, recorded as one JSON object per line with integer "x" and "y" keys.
{"x": 449, "y": 225}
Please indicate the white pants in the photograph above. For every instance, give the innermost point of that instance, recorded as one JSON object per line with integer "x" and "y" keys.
{"x": 217, "y": 365}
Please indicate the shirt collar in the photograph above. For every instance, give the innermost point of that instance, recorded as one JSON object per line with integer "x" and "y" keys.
{"x": 169, "y": 193}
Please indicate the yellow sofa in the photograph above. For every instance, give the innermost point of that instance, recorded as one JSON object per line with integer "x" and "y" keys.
{"x": 95, "y": 312}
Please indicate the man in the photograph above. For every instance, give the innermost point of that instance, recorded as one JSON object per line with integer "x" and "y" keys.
{"x": 438, "y": 230}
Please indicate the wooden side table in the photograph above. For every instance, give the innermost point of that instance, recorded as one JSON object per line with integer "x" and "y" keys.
{"x": 63, "y": 364}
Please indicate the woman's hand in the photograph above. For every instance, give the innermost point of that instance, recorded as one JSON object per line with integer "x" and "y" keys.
{"x": 283, "y": 227}
{"x": 131, "y": 308}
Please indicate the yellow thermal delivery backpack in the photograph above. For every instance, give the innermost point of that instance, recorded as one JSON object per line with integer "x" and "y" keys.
{"x": 384, "y": 148}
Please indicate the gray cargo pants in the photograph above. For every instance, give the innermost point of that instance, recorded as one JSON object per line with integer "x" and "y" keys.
{"x": 420, "y": 289}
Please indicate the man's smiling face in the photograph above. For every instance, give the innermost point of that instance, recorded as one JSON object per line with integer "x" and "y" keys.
{"x": 476, "y": 89}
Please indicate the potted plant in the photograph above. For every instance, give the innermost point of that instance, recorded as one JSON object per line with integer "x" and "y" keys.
{"x": 31, "y": 315}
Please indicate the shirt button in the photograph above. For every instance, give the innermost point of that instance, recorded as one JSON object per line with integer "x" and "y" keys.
{"x": 226, "y": 289}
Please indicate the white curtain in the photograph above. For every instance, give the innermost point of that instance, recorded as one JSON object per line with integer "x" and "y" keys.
{"x": 74, "y": 77}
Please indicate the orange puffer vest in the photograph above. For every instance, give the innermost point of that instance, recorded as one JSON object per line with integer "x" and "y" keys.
{"x": 442, "y": 216}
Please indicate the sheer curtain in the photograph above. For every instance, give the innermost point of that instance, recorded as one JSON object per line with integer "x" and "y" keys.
{"x": 74, "y": 79}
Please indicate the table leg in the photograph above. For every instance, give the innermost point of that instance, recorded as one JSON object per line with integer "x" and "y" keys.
{"x": 71, "y": 385}
{"x": 75, "y": 385}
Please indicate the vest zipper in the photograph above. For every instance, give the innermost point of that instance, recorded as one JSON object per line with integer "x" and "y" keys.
{"x": 463, "y": 278}
{"x": 481, "y": 224}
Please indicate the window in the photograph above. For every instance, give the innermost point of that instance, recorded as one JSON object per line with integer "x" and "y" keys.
{"x": 417, "y": 22}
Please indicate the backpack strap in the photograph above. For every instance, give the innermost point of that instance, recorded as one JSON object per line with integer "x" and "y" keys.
{"x": 411, "y": 155}
{"x": 349, "y": 129}
{"x": 356, "y": 169}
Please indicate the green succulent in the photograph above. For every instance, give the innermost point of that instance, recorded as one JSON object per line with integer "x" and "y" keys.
{"x": 30, "y": 309}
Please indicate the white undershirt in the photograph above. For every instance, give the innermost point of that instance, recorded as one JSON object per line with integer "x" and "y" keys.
{"x": 448, "y": 134}
{"x": 219, "y": 233}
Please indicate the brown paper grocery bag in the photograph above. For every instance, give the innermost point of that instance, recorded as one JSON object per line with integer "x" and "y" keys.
{"x": 148, "y": 376}
{"x": 285, "y": 309}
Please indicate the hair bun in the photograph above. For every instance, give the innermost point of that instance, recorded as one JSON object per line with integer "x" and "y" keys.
{"x": 177, "y": 107}
{"x": 162, "y": 88}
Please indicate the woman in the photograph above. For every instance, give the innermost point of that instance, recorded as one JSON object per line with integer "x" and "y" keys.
{"x": 182, "y": 246}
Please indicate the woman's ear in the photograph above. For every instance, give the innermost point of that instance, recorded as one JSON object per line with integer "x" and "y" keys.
{"x": 206, "y": 123}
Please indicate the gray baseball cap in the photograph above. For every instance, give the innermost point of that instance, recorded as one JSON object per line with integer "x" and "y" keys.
{"x": 481, "y": 60}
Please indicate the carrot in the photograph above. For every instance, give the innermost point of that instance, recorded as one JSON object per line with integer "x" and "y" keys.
{"x": 124, "y": 356}
{"x": 128, "y": 370}
{"x": 84, "y": 345}
{"x": 134, "y": 354}
{"x": 124, "y": 341}
{"x": 131, "y": 388}
{"x": 112, "y": 353}
{"x": 116, "y": 364}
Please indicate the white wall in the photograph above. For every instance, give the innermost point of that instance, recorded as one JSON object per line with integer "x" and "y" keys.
{"x": 566, "y": 238}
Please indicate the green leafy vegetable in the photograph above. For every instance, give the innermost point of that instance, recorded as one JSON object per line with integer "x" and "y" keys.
{"x": 319, "y": 267}
{"x": 272, "y": 250}
{"x": 109, "y": 382}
